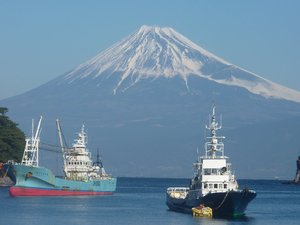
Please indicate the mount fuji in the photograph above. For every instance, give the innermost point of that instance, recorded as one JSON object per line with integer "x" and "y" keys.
{"x": 145, "y": 102}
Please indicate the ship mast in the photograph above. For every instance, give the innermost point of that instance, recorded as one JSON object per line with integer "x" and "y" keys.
{"x": 215, "y": 144}
{"x": 31, "y": 151}
{"x": 82, "y": 138}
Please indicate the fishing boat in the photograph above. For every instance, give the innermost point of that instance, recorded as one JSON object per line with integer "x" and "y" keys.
{"x": 214, "y": 185}
{"x": 81, "y": 177}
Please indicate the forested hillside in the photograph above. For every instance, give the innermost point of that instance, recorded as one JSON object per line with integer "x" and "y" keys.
{"x": 12, "y": 139}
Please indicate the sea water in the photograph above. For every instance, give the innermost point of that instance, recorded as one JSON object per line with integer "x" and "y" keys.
{"x": 141, "y": 201}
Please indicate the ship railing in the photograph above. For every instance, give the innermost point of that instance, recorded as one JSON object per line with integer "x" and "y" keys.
{"x": 178, "y": 192}
{"x": 217, "y": 157}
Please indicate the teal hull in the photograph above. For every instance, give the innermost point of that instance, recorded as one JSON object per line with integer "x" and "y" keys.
{"x": 40, "y": 181}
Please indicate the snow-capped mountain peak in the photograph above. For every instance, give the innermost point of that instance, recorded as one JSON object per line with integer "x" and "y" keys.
{"x": 150, "y": 52}
{"x": 153, "y": 52}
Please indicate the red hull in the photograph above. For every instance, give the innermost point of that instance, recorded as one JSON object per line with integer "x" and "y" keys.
{"x": 19, "y": 191}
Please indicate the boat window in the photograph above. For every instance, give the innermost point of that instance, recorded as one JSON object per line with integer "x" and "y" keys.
{"x": 215, "y": 185}
{"x": 205, "y": 186}
{"x": 225, "y": 186}
{"x": 207, "y": 171}
{"x": 220, "y": 186}
{"x": 211, "y": 171}
{"x": 210, "y": 186}
{"x": 214, "y": 171}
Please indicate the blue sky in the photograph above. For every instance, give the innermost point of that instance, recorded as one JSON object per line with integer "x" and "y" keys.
{"x": 40, "y": 40}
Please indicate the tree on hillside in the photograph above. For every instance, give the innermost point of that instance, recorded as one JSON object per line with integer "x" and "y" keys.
{"x": 3, "y": 110}
{"x": 12, "y": 139}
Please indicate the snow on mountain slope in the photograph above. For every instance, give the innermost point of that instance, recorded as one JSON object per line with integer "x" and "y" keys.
{"x": 153, "y": 52}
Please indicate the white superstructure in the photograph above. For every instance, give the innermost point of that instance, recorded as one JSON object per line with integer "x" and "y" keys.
{"x": 213, "y": 172}
{"x": 78, "y": 163}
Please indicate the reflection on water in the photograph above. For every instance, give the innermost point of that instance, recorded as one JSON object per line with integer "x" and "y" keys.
{"x": 216, "y": 221}
{"x": 142, "y": 202}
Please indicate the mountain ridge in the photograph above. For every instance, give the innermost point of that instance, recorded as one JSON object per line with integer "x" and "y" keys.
{"x": 153, "y": 52}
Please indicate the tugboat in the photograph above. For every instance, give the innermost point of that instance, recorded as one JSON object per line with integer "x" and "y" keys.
{"x": 81, "y": 177}
{"x": 214, "y": 185}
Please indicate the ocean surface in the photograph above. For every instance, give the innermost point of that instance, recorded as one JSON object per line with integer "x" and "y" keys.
{"x": 141, "y": 201}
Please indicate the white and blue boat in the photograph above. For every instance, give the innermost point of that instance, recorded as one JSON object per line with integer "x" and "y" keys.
{"x": 214, "y": 184}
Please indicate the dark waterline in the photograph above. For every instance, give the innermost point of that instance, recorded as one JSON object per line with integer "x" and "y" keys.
{"x": 142, "y": 201}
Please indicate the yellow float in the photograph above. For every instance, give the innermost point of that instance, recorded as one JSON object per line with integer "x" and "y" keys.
{"x": 202, "y": 211}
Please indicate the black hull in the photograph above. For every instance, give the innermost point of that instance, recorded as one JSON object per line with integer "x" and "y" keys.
{"x": 230, "y": 204}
